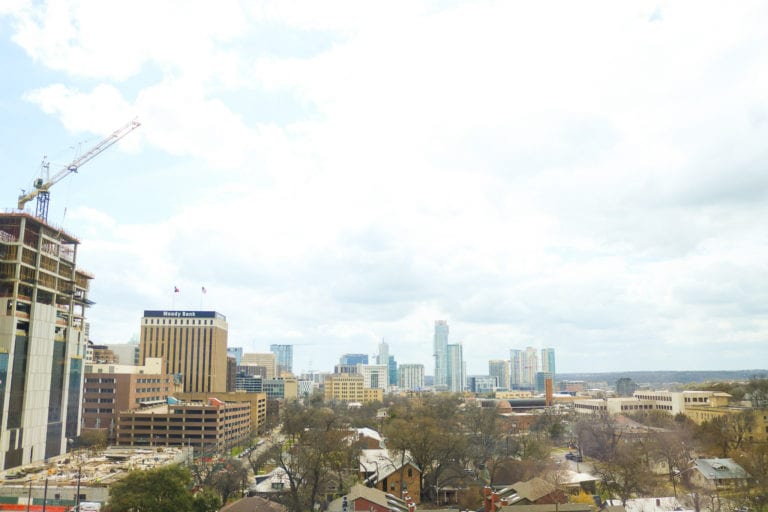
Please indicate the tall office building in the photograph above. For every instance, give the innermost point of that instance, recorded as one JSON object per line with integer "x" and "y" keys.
{"x": 392, "y": 364}
{"x": 548, "y": 360}
{"x": 441, "y": 353}
{"x": 411, "y": 377}
{"x": 236, "y": 352}
{"x": 192, "y": 343}
{"x": 284, "y": 356}
{"x": 530, "y": 367}
{"x": 516, "y": 364}
{"x": 383, "y": 356}
{"x": 499, "y": 370}
{"x": 457, "y": 369}
{"x": 266, "y": 360}
{"x": 43, "y": 298}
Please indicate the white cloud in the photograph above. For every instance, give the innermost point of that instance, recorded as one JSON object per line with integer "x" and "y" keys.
{"x": 585, "y": 180}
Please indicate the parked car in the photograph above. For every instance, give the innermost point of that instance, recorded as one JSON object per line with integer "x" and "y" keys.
{"x": 573, "y": 456}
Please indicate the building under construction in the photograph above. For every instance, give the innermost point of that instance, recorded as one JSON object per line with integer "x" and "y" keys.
{"x": 43, "y": 298}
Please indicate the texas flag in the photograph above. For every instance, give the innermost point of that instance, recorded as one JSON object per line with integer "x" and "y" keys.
{"x": 175, "y": 289}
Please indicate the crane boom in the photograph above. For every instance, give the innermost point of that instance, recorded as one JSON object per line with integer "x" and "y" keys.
{"x": 41, "y": 191}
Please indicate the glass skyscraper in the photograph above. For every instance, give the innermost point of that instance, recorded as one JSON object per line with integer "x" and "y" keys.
{"x": 441, "y": 353}
{"x": 283, "y": 357}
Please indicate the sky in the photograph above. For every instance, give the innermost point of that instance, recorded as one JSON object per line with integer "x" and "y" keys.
{"x": 587, "y": 176}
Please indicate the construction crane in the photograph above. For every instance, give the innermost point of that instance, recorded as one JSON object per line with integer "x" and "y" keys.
{"x": 44, "y": 183}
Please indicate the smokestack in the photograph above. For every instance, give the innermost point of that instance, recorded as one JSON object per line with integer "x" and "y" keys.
{"x": 548, "y": 389}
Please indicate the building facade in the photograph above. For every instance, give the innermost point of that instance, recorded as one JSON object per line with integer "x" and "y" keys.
{"x": 43, "y": 299}
{"x": 192, "y": 344}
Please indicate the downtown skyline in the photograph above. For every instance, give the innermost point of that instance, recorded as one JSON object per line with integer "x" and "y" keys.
{"x": 334, "y": 175}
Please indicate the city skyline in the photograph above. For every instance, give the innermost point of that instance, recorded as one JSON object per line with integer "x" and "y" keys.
{"x": 328, "y": 176}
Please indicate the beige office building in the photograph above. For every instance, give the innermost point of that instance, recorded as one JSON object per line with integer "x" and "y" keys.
{"x": 192, "y": 344}
{"x": 346, "y": 387}
{"x": 267, "y": 360}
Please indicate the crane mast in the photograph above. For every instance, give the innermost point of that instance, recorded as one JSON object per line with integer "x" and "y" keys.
{"x": 42, "y": 187}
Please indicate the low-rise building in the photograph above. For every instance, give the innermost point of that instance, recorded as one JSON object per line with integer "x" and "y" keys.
{"x": 258, "y": 403}
{"x": 718, "y": 474}
{"x": 112, "y": 388}
{"x": 211, "y": 426}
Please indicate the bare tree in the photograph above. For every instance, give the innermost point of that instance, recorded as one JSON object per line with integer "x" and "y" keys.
{"x": 626, "y": 473}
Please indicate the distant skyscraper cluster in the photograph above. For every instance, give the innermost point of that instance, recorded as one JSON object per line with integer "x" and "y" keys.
{"x": 450, "y": 367}
{"x": 525, "y": 372}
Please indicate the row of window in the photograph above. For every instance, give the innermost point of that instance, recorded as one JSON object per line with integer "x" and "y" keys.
{"x": 179, "y": 321}
{"x": 100, "y": 400}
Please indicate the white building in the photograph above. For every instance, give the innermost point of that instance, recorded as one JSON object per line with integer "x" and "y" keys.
{"x": 374, "y": 375}
{"x": 411, "y": 376}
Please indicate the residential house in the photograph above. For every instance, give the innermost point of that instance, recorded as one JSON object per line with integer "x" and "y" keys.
{"x": 390, "y": 472}
{"x": 718, "y": 473}
{"x": 254, "y": 504}
{"x": 535, "y": 491}
{"x": 362, "y": 498}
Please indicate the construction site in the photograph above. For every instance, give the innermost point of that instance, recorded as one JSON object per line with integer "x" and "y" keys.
{"x": 80, "y": 477}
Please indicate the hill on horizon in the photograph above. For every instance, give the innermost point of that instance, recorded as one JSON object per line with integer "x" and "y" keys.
{"x": 665, "y": 376}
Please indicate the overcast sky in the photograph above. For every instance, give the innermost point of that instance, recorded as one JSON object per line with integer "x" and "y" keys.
{"x": 585, "y": 176}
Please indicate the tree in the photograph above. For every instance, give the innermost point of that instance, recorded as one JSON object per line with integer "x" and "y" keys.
{"x": 598, "y": 435}
{"x": 758, "y": 392}
{"x": 230, "y": 479}
{"x": 626, "y": 473}
{"x": 727, "y": 433}
{"x": 755, "y": 461}
{"x": 673, "y": 448}
{"x": 164, "y": 489}
{"x": 430, "y": 432}
{"x": 316, "y": 456}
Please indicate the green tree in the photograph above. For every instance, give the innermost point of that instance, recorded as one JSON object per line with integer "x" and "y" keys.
{"x": 164, "y": 489}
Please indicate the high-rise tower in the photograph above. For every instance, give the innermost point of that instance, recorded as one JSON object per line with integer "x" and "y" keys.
{"x": 499, "y": 370}
{"x": 193, "y": 344}
{"x": 284, "y": 356}
{"x": 530, "y": 367}
{"x": 457, "y": 370}
{"x": 441, "y": 353}
{"x": 43, "y": 298}
{"x": 548, "y": 360}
